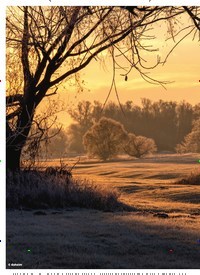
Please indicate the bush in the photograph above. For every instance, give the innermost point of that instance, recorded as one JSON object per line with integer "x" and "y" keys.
{"x": 139, "y": 146}
{"x": 105, "y": 138}
{"x": 34, "y": 189}
{"x": 192, "y": 179}
{"x": 191, "y": 142}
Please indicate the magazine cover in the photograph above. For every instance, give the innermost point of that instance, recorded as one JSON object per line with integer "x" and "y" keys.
{"x": 100, "y": 137}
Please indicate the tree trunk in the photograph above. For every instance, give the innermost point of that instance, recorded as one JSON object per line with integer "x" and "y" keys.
{"x": 17, "y": 139}
{"x": 13, "y": 158}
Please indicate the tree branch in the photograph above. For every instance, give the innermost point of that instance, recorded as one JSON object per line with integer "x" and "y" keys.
{"x": 13, "y": 99}
{"x": 75, "y": 70}
{"x": 194, "y": 18}
{"x": 25, "y": 50}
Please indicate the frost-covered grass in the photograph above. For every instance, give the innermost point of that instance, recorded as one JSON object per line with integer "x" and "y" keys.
{"x": 191, "y": 179}
{"x": 36, "y": 189}
{"x": 149, "y": 184}
{"x": 88, "y": 238}
{"x": 85, "y": 238}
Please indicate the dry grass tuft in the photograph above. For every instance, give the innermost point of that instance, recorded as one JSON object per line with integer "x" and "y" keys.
{"x": 192, "y": 179}
{"x": 36, "y": 189}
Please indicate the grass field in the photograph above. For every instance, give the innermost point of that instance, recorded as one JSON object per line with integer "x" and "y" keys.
{"x": 163, "y": 231}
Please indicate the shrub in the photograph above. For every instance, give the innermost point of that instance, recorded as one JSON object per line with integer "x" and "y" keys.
{"x": 105, "y": 138}
{"x": 34, "y": 189}
{"x": 192, "y": 179}
{"x": 139, "y": 146}
{"x": 191, "y": 142}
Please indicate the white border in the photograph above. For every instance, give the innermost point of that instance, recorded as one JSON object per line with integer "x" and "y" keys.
{"x": 100, "y": 2}
{"x": 2, "y": 134}
{"x": 2, "y": 139}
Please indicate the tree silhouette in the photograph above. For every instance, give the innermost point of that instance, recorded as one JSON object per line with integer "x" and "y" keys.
{"x": 51, "y": 44}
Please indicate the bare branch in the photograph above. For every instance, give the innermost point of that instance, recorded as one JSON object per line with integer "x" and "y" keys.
{"x": 25, "y": 50}
{"x": 194, "y": 17}
{"x": 13, "y": 99}
{"x": 83, "y": 65}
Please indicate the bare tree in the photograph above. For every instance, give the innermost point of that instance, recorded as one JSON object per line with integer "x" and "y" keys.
{"x": 44, "y": 129}
{"x": 51, "y": 44}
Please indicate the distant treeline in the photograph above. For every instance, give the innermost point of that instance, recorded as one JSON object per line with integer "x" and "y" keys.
{"x": 167, "y": 122}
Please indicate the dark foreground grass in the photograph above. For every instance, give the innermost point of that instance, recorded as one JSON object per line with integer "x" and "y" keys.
{"x": 36, "y": 189}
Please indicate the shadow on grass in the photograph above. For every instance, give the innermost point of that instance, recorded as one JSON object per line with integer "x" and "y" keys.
{"x": 103, "y": 240}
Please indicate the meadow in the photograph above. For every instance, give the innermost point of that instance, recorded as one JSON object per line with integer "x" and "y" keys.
{"x": 161, "y": 230}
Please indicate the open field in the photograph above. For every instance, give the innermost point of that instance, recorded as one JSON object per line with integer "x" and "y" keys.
{"x": 162, "y": 232}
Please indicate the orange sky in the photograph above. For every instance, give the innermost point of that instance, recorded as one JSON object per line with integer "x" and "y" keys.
{"x": 182, "y": 68}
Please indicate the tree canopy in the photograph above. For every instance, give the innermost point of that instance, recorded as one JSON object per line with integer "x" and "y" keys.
{"x": 105, "y": 138}
{"x": 49, "y": 45}
{"x": 166, "y": 122}
{"x": 191, "y": 142}
{"x": 139, "y": 146}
